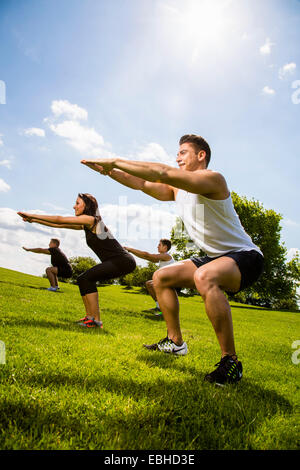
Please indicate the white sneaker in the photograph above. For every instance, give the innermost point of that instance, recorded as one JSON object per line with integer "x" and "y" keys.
{"x": 168, "y": 346}
{"x": 52, "y": 289}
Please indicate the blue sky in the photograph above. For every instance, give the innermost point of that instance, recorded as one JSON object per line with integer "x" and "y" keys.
{"x": 128, "y": 78}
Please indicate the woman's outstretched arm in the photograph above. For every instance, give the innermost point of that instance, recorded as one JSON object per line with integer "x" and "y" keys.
{"x": 59, "y": 220}
{"x": 50, "y": 224}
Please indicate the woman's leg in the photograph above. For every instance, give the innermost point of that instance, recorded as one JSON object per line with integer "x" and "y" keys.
{"x": 109, "y": 269}
{"x": 91, "y": 304}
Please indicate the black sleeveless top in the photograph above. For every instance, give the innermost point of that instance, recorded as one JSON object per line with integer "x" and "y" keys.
{"x": 103, "y": 243}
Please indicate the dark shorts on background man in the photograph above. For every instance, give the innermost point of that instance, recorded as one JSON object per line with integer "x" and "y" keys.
{"x": 64, "y": 271}
{"x": 250, "y": 263}
{"x": 61, "y": 262}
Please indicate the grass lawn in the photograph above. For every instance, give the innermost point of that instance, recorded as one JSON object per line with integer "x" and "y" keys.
{"x": 66, "y": 387}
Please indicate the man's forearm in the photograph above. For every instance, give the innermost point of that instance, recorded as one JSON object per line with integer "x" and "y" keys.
{"x": 149, "y": 171}
{"x": 127, "y": 179}
{"x": 35, "y": 250}
{"x": 139, "y": 253}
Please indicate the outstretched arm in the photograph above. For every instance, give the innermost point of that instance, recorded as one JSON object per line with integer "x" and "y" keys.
{"x": 37, "y": 250}
{"x": 50, "y": 224}
{"x": 154, "y": 257}
{"x": 57, "y": 220}
{"x": 162, "y": 192}
{"x": 198, "y": 182}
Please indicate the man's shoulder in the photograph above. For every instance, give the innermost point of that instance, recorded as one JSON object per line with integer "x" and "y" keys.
{"x": 210, "y": 173}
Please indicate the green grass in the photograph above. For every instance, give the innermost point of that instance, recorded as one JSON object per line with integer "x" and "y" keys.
{"x": 65, "y": 387}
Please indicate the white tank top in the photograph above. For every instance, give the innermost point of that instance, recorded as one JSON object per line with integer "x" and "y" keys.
{"x": 162, "y": 263}
{"x": 213, "y": 225}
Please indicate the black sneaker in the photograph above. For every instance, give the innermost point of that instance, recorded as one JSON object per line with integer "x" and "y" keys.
{"x": 228, "y": 371}
{"x": 166, "y": 345}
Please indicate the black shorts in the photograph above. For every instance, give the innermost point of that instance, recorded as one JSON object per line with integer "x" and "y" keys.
{"x": 250, "y": 263}
{"x": 64, "y": 271}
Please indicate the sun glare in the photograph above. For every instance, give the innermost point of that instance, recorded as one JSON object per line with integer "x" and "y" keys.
{"x": 203, "y": 19}
{"x": 200, "y": 25}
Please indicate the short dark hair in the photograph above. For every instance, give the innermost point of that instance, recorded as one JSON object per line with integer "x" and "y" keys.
{"x": 198, "y": 143}
{"x": 56, "y": 241}
{"x": 166, "y": 242}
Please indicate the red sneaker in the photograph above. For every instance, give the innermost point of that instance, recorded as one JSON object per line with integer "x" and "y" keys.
{"x": 92, "y": 323}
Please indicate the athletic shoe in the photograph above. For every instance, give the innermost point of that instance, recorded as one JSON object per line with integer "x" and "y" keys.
{"x": 155, "y": 309}
{"x": 92, "y": 323}
{"x": 228, "y": 371}
{"x": 159, "y": 314}
{"x": 168, "y": 346}
{"x": 52, "y": 289}
{"x": 83, "y": 319}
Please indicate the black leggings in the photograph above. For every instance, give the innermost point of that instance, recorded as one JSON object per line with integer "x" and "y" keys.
{"x": 110, "y": 269}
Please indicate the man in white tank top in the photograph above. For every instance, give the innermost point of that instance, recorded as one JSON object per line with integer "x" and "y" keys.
{"x": 233, "y": 261}
{"x": 163, "y": 258}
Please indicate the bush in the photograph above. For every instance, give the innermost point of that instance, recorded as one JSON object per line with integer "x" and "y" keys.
{"x": 139, "y": 276}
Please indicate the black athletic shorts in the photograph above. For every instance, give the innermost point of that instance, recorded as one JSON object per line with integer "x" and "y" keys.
{"x": 64, "y": 271}
{"x": 250, "y": 263}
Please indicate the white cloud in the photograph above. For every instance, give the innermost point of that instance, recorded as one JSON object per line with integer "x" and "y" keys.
{"x": 268, "y": 91}
{"x": 290, "y": 223}
{"x": 6, "y": 163}
{"x": 4, "y": 187}
{"x": 266, "y": 48}
{"x": 84, "y": 139}
{"x": 71, "y": 111}
{"x": 54, "y": 207}
{"x": 292, "y": 252}
{"x": 34, "y": 131}
{"x": 286, "y": 70}
{"x": 153, "y": 152}
{"x": 1, "y": 141}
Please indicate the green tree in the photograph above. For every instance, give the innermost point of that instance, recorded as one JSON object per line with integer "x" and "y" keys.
{"x": 139, "y": 276}
{"x": 80, "y": 264}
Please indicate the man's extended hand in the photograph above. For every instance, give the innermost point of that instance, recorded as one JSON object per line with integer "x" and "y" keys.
{"x": 103, "y": 166}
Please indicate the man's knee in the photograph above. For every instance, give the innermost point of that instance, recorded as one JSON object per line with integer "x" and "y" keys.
{"x": 204, "y": 281}
{"x": 159, "y": 278}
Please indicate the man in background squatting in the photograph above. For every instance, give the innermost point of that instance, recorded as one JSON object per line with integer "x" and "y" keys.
{"x": 232, "y": 262}
{"x": 163, "y": 258}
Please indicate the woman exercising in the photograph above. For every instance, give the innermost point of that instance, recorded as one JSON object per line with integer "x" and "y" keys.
{"x": 115, "y": 261}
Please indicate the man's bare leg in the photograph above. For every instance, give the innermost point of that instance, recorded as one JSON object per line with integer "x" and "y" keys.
{"x": 51, "y": 273}
{"x": 150, "y": 289}
{"x": 165, "y": 279}
{"x": 210, "y": 279}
